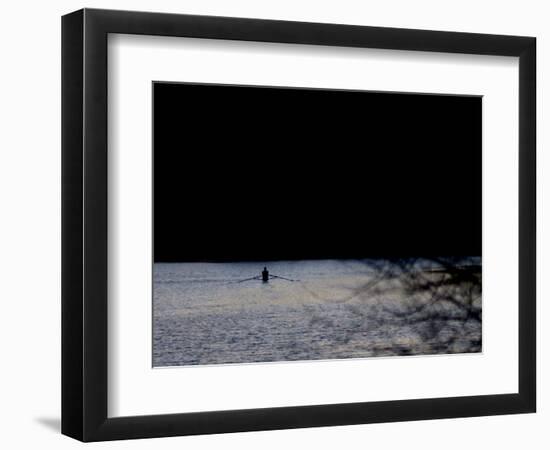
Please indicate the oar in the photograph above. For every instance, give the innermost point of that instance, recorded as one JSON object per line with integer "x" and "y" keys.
{"x": 248, "y": 279}
{"x": 282, "y": 278}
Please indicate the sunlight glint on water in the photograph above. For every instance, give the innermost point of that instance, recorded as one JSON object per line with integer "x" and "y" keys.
{"x": 204, "y": 315}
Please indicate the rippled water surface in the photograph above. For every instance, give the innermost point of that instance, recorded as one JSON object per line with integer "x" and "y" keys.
{"x": 203, "y": 314}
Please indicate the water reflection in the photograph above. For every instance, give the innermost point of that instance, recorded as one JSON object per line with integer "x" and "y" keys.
{"x": 205, "y": 314}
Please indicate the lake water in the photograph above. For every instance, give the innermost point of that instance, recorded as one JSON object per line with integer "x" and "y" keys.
{"x": 204, "y": 314}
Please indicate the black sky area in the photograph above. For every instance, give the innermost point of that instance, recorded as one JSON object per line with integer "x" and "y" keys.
{"x": 254, "y": 173}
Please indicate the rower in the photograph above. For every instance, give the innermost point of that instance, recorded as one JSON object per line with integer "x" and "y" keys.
{"x": 265, "y": 275}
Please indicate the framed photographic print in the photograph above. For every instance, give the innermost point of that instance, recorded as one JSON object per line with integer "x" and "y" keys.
{"x": 273, "y": 224}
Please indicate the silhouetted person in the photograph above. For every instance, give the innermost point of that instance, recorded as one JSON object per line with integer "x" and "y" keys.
{"x": 265, "y": 275}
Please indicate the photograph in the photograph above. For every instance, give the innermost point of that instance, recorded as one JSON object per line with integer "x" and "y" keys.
{"x": 310, "y": 224}
{"x": 283, "y": 221}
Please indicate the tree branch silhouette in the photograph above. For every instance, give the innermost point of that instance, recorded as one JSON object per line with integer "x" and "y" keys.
{"x": 423, "y": 305}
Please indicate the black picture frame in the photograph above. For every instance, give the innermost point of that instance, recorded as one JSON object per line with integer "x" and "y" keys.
{"x": 84, "y": 224}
